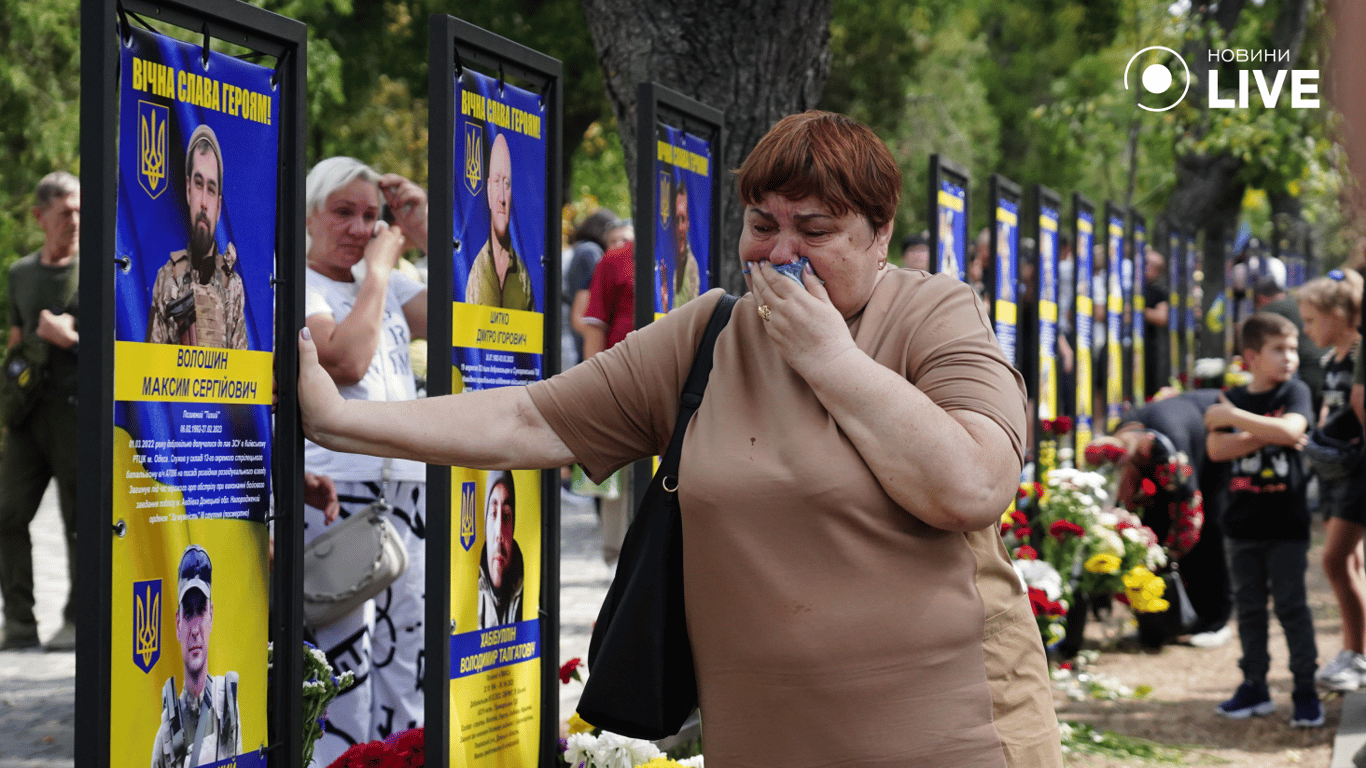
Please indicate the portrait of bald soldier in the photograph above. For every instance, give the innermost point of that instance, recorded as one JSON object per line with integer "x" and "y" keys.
{"x": 498, "y": 277}
{"x": 198, "y": 298}
{"x": 202, "y": 725}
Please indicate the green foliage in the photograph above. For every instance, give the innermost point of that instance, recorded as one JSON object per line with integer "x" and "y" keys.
{"x": 946, "y": 112}
{"x": 1082, "y": 738}
{"x": 39, "y": 96}
{"x": 600, "y": 170}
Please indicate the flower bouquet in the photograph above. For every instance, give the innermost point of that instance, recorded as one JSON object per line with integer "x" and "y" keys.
{"x": 1049, "y": 432}
{"x": 1076, "y": 546}
{"x": 321, "y": 686}
{"x": 401, "y": 750}
{"x": 611, "y": 750}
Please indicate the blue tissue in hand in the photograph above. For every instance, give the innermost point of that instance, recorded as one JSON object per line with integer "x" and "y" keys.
{"x": 794, "y": 269}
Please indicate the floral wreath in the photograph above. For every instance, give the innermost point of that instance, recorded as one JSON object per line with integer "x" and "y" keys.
{"x": 1165, "y": 476}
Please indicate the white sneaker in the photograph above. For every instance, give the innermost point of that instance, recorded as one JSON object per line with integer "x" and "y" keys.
{"x": 1344, "y": 672}
{"x": 1212, "y": 639}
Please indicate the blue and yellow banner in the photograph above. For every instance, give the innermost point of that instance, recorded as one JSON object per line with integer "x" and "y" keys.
{"x": 1007, "y": 271}
{"x": 1048, "y": 313}
{"x": 1188, "y": 293}
{"x": 1115, "y": 301}
{"x": 1137, "y": 261}
{"x": 682, "y": 247}
{"x": 195, "y": 239}
{"x": 951, "y": 206}
{"x": 498, "y": 339}
{"x": 1085, "y": 244}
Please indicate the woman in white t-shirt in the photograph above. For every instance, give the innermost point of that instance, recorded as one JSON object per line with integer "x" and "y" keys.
{"x": 363, "y": 313}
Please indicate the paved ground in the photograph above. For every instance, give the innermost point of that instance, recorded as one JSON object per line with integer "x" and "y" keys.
{"x": 37, "y": 690}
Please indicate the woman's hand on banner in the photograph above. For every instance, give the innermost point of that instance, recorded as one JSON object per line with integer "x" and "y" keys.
{"x": 319, "y": 399}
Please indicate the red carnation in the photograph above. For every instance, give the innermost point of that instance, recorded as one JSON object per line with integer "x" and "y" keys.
{"x": 1148, "y": 487}
{"x": 570, "y": 671}
{"x": 1046, "y": 425}
{"x": 1026, "y": 552}
{"x": 371, "y": 754}
{"x": 1019, "y": 518}
{"x": 1062, "y": 425}
{"x": 1095, "y": 456}
{"x": 1062, "y": 528}
{"x": 1038, "y": 490}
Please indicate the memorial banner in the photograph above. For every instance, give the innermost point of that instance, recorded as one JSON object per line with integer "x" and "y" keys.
{"x": 1007, "y": 240}
{"x": 1176, "y": 315}
{"x": 1138, "y": 349}
{"x": 683, "y": 166}
{"x": 193, "y": 351}
{"x": 1048, "y": 312}
{"x": 951, "y": 258}
{"x": 1114, "y": 322}
{"x": 1085, "y": 243}
{"x": 498, "y": 338}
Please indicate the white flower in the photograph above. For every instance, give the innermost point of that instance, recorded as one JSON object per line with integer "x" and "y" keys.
{"x": 580, "y": 747}
{"x": 692, "y": 762}
{"x": 1040, "y": 575}
{"x": 616, "y": 751}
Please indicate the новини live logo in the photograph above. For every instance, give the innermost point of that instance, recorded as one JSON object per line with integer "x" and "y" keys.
{"x": 1156, "y": 78}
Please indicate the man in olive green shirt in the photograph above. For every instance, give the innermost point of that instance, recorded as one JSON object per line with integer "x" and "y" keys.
{"x": 499, "y": 277}
{"x": 41, "y": 443}
{"x": 687, "y": 281}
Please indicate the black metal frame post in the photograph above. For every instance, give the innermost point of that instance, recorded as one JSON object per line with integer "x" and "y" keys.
{"x": 658, "y": 105}
{"x": 941, "y": 168}
{"x": 1044, "y": 198}
{"x": 454, "y": 44}
{"x": 286, "y": 40}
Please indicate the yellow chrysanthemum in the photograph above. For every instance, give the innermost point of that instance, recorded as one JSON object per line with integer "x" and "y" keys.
{"x": 578, "y": 724}
{"x": 1136, "y": 577}
{"x": 1103, "y": 563}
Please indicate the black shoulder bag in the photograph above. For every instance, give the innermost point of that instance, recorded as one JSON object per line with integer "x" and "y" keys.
{"x": 641, "y": 681}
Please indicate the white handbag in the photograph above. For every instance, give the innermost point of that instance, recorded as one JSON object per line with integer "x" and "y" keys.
{"x": 351, "y": 562}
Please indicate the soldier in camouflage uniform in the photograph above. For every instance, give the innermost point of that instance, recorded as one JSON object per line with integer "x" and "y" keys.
{"x": 198, "y": 298}
{"x": 202, "y": 725}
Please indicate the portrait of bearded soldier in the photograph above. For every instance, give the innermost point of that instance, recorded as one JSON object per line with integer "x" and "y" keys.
{"x": 198, "y": 299}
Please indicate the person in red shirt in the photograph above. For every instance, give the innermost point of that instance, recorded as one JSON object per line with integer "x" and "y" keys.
{"x": 611, "y": 301}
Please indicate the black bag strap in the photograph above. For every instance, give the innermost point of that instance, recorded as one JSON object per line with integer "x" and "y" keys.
{"x": 693, "y": 388}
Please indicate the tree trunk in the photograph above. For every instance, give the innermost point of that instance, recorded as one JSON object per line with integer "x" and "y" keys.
{"x": 755, "y": 62}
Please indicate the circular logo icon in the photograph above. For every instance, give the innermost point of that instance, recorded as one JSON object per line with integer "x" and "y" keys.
{"x": 1157, "y": 78}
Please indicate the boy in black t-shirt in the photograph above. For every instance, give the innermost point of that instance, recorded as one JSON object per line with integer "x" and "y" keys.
{"x": 1258, "y": 429}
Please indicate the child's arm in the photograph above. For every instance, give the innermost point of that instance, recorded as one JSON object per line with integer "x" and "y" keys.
{"x": 1287, "y": 429}
{"x": 1227, "y": 446}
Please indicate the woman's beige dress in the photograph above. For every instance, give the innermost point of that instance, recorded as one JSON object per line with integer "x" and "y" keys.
{"x": 830, "y": 626}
